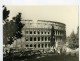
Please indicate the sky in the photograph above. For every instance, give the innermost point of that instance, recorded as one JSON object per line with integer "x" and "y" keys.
{"x": 66, "y": 14}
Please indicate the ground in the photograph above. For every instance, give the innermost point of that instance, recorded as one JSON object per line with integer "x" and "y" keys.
{"x": 54, "y": 58}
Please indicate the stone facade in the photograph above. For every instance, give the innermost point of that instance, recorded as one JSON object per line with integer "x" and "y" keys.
{"x": 37, "y": 35}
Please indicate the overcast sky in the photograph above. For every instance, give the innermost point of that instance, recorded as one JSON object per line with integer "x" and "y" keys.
{"x": 65, "y": 14}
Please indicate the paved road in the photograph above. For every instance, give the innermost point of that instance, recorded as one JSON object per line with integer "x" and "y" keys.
{"x": 53, "y": 58}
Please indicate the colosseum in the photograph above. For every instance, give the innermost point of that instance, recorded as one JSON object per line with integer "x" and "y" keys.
{"x": 38, "y": 35}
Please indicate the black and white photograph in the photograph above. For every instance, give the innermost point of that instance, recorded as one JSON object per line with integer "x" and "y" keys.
{"x": 40, "y": 33}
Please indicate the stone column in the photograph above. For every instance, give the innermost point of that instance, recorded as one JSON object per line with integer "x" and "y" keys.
{"x": 36, "y": 39}
{"x": 40, "y": 45}
{"x": 55, "y": 32}
{"x": 32, "y": 45}
{"x": 47, "y": 38}
{"x": 43, "y": 38}
{"x": 37, "y": 45}
{"x": 32, "y": 38}
{"x": 47, "y": 45}
{"x": 44, "y": 45}
{"x": 40, "y": 38}
{"x": 58, "y": 32}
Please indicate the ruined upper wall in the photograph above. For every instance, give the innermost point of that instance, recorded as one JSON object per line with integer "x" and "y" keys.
{"x": 44, "y": 24}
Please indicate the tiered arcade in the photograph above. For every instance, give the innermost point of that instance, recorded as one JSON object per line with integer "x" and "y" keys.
{"x": 37, "y": 35}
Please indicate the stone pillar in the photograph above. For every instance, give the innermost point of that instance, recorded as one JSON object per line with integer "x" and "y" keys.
{"x": 40, "y": 45}
{"x": 32, "y": 38}
{"x": 58, "y": 32}
{"x": 43, "y": 38}
{"x": 47, "y": 38}
{"x": 47, "y": 45}
{"x": 37, "y": 45}
{"x": 44, "y": 45}
{"x": 55, "y": 32}
{"x": 40, "y": 38}
{"x": 36, "y": 38}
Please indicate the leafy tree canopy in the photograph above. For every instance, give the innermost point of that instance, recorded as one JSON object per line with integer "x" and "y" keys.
{"x": 11, "y": 29}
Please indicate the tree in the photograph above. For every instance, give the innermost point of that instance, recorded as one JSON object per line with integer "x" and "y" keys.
{"x": 11, "y": 29}
{"x": 52, "y": 37}
{"x": 15, "y": 28}
{"x": 18, "y": 26}
{"x": 5, "y": 13}
{"x": 72, "y": 42}
{"x": 6, "y": 24}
